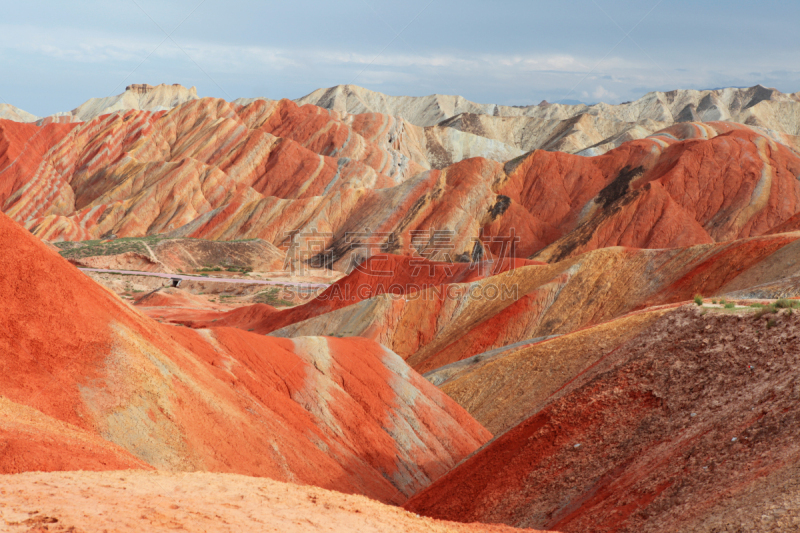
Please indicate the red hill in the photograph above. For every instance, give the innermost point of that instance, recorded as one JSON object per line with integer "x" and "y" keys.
{"x": 330, "y": 412}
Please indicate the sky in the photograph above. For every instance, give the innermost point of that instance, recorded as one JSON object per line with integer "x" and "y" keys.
{"x": 55, "y": 55}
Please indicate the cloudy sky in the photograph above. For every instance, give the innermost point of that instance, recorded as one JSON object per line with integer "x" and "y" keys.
{"x": 55, "y": 55}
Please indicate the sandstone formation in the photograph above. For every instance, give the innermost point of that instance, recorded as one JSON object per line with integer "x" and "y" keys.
{"x": 92, "y": 384}
{"x": 543, "y": 293}
{"x": 9, "y": 112}
{"x": 446, "y": 129}
{"x": 690, "y": 424}
{"x": 313, "y": 182}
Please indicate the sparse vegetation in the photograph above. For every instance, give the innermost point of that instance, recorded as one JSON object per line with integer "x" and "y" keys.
{"x": 243, "y": 270}
{"x": 698, "y": 299}
{"x": 766, "y": 310}
{"x": 771, "y": 323}
{"x": 271, "y": 297}
{"x": 785, "y": 303}
{"x": 714, "y": 302}
{"x": 99, "y": 247}
{"x": 730, "y": 305}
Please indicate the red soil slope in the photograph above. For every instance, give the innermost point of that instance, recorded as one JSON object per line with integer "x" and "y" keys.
{"x": 667, "y": 432}
{"x": 658, "y": 192}
{"x": 345, "y": 414}
{"x": 32, "y": 441}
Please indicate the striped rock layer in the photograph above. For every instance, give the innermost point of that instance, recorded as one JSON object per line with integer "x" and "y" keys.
{"x": 334, "y": 189}
{"x": 460, "y": 312}
{"x": 89, "y": 383}
{"x": 585, "y": 129}
{"x": 678, "y": 422}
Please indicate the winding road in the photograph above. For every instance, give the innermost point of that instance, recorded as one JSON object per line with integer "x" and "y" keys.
{"x": 185, "y": 277}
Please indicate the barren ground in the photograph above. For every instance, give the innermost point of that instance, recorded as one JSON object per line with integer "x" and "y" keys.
{"x": 139, "y": 501}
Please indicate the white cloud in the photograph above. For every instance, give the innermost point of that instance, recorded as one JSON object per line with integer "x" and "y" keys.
{"x": 600, "y": 93}
{"x": 75, "y": 56}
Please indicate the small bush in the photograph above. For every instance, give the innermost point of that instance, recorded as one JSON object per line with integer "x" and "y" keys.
{"x": 770, "y": 309}
{"x": 714, "y": 302}
{"x": 783, "y": 303}
{"x": 730, "y": 305}
{"x": 698, "y": 299}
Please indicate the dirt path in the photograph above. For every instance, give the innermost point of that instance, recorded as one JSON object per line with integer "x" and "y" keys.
{"x": 204, "y": 278}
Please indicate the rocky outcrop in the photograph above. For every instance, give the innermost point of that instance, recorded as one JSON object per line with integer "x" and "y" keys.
{"x": 690, "y": 423}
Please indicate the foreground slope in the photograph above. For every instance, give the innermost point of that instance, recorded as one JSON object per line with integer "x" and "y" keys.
{"x": 692, "y": 418}
{"x": 135, "y": 501}
{"x": 345, "y": 414}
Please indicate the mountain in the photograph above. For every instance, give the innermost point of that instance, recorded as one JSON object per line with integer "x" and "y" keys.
{"x": 295, "y": 175}
{"x": 589, "y": 129}
{"x": 464, "y": 313}
{"x": 89, "y": 383}
{"x": 9, "y": 112}
{"x": 448, "y": 128}
{"x": 570, "y": 384}
{"x": 139, "y": 97}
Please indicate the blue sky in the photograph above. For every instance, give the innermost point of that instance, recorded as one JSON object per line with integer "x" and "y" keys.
{"x": 55, "y": 55}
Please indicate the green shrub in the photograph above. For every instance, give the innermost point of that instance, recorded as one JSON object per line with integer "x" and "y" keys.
{"x": 714, "y": 302}
{"x": 730, "y": 305}
{"x": 783, "y": 303}
{"x": 770, "y": 309}
{"x": 698, "y": 299}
